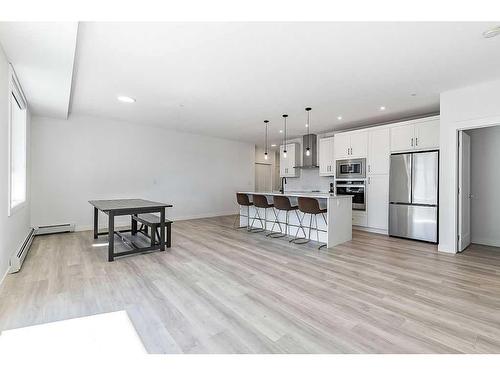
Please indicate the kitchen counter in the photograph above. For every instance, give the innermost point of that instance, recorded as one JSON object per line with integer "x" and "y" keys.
{"x": 309, "y": 194}
{"x": 334, "y": 227}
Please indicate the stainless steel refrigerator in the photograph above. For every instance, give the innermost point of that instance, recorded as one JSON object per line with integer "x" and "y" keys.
{"x": 413, "y": 196}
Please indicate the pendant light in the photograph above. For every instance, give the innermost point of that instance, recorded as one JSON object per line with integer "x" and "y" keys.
{"x": 284, "y": 136}
{"x": 265, "y": 153}
{"x": 308, "y": 124}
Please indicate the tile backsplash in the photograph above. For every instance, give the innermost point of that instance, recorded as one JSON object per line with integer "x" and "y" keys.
{"x": 309, "y": 180}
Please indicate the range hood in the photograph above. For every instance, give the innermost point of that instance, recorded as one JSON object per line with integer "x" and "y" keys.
{"x": 311, "y": 161}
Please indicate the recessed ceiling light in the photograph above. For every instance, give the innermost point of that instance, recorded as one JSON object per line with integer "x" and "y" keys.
{"x": 126, "y": 99}
{"x": 273, "y": 145}
{"x": 382, "y": 108}
{"x": 492, "y": 32}
{"x": 281, "y": 131}
{"x": 339, "y": 118}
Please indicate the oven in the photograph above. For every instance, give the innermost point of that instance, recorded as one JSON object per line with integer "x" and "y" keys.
{"x": 357, "y": 189}
{"x": 351, "y": 168}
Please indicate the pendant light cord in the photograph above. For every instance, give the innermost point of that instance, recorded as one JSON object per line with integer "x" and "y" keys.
{"x": 266, "y": 135}
{"x": 308, "y": 110}
{"x": 284, "y": 138}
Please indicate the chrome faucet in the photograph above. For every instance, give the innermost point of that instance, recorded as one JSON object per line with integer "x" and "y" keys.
{"x": 283, "y": 183}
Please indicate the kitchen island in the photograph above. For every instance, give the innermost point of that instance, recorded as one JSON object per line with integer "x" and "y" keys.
{"x": 336, "y": 230}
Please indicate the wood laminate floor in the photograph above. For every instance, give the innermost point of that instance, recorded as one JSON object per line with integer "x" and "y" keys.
{"x": 220, "y": 290}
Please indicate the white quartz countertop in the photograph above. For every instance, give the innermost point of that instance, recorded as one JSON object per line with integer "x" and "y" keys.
{"x": 309, "y": 194}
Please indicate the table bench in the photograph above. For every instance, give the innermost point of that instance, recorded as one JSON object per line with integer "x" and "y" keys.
{"x": 152, "y": 221}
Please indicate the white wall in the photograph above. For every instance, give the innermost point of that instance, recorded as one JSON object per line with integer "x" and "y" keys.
{"x": 465, "y": 108}
{"x": 13, "y": 229}
{"x": 485, "y": 183}
{"x": 85, "y": 158}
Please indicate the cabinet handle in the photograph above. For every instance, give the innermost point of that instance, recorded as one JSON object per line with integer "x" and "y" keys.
{"x": 369, "y": 168}
{"x": 412, "y": 142}
{"x": 416, "y": 141}
{"x": 369, "y": 180}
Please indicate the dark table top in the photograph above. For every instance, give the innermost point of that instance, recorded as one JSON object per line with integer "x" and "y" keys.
{"x": 120, "y": 204}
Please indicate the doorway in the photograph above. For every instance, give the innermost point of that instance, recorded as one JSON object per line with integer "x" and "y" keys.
{"x": 479, "y": 186}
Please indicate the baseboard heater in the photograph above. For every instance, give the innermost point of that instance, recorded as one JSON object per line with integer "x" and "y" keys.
{"x": 57, "y": 228}
{"x": 16, "y": 261}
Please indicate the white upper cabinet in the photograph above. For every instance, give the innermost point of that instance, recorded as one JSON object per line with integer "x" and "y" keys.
{"x": 427, "y": 135}
{"x": 342, "y": 146}
{"x": 351, "y": 145}
{"x": 402, "y": 138}
{"x": 288, "y": 164}
{"x": 379, "y": 150}
{"x": 415, "y": 136}
{"x": 359, "y": 145}
{"x": 326, "y": 157}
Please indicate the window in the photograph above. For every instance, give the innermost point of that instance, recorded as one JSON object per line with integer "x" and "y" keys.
{"x": 18, "y": 140}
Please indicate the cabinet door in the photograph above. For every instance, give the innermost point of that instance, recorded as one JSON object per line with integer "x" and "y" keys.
{"x": 378, "y": 201}
{"x": 342, "y": 146}
{"x": 427, "y": 135}
{"x": 402, "y": 138}
{"x": 323, "y": 156}
{"x": 291, "y": 162}
{"x": 379, "y": 151}
{"x": 359, "y": 145}
{"x": 326, "y": 157}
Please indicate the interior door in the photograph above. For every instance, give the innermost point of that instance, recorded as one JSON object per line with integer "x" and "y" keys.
{"x": 379, "y": 151}
{"x": 464, "y": 191}
{"x": 263, "y": 177}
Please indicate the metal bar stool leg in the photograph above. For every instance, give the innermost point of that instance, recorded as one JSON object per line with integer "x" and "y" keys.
{"x": 301, "y": 239}
{"x": 276, "y": 221}
{"x": 257, "y": 230}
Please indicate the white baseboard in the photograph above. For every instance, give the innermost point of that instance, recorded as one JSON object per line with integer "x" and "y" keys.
{"x": 371, "y": 230}
{"x": 4, "y": 275}
{"x": 487, "y": 241}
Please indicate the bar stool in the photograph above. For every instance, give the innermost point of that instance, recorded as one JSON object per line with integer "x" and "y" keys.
{"x": 282, "y": 203}
{"x": 244, "y": 201}
{"x": 310, "y": 206}
{"x": 260, "y": 201}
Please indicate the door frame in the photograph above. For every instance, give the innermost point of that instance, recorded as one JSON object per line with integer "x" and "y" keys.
{"x": 468, "y": 125}
{"x": 460, "y": 191}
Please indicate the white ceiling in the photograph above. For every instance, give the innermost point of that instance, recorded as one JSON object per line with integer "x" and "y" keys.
{"x": 42, "y": 54}
{"x": 224, "y": 79}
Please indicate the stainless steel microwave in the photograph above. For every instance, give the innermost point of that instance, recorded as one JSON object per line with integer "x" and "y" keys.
{"x": 351, "y": 168}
